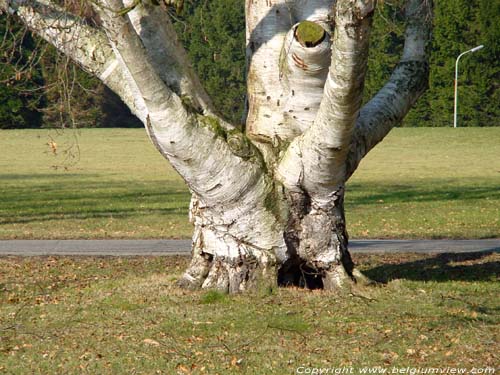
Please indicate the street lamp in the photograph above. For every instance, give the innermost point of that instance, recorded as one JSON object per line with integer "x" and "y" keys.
{"x": 456, "y": 82}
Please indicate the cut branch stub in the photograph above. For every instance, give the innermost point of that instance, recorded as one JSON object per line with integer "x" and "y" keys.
{"x": 303, "y": 71}
{"x": 309, "y": 34}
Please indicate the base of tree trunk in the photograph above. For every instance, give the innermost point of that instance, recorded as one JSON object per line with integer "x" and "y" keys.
{"x": 235, "y": 276}
{"x": 316, "y": 246}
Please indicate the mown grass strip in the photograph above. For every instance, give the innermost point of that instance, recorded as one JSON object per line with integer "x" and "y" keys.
{"x": 418, "y": 183}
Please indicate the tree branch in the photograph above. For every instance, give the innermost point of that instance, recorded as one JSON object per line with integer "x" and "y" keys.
{"x": 266, "y": 26}
{"x": 168, "y": 57}
{"x": 315, "y": 161}
{"x": 215, "y": 159}
{"x": 269, "y": 33}
{"x": 407, "y": 83}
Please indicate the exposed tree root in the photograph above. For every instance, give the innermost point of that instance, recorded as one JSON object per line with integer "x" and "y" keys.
{"x": 197, "y": 271}
{"x": 227, "y": 275}
{"x": 246, "y": 273}
{"x": 361, "y": 278}
{"x": 337, "y": 278}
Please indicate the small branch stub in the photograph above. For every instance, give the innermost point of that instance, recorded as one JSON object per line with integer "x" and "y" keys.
{"x": 309, "y": 34}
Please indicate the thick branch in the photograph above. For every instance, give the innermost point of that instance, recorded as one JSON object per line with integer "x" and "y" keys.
{"x": 218, "y": 166}
{"x": 267, "y": 25}
{"x": 216, "y": 160}
{"x": 407, "y": 83}
{"x": 158, "y": 98}
{"x": 315, "y": 161}
{"x": 304, "y": 69}
{"x": 167, "y": 55}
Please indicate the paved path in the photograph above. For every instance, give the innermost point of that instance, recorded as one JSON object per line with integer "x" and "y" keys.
{"x": 182, "y": 247}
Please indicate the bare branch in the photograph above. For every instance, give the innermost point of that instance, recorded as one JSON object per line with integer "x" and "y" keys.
{"x": 407, "y": 83}
{"x": 67, "y": 33}
{"x": 167, "y": 55}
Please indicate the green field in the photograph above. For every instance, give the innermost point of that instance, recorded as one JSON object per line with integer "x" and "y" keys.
{"x": 111, "y": 183}
{"x": 126, "y": 316}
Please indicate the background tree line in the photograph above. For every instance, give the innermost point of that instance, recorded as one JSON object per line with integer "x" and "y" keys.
{"x": 40, "y": 89}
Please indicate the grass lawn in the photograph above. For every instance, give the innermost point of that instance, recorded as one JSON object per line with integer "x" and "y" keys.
{"x": 125, "y": 316}
{"x": 419, "y": 183}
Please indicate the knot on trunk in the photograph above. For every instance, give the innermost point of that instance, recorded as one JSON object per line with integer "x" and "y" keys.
{"x": 240, "y": 145}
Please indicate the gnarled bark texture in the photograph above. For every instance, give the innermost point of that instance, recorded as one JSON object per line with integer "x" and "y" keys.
{"x": 268, "y": 199}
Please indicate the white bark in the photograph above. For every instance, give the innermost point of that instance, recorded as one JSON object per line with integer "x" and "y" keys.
{"x": 315, "y": 161}
{"x": 303, "y": 75}
{"x": 155, "y": 29}
{"x": 233, "y": 226}
{"x": 236, "y": 244}
{"x": 271, "y": 92}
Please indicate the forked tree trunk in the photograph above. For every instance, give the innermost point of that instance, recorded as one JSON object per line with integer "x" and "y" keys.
{"x": 310, "y": 249}
{"x": 268, "y": 198}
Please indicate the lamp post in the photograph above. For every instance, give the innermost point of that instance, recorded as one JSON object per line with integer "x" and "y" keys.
{"x": 456, "y": 81}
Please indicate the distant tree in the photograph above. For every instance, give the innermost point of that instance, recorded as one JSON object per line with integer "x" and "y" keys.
{"x": 75, "y": 99}
{"x": 458, "y": 26}
{"x": 213, "y": 33}
{"x": 386, "y": 43}
{"x": 72, "y": 96}
{"x": 20, "y": 78}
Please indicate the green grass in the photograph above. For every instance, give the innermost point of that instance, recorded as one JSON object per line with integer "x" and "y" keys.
{"x": 428, "y": 183}
{"x": 119, "y": 188}
{"x": 125, "y": 316}
{"x": 419, "y": 183}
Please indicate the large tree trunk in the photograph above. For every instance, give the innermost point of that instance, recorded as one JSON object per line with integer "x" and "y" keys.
{"x": 268, "y": 200}
{"x": 311, "y": 248}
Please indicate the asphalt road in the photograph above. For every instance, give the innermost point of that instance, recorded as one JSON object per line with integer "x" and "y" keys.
{"x": 182, "y": 247}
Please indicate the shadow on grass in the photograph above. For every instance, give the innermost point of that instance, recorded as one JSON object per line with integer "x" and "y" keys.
{"x": 79, "y": 198}
{"x": 432, "y": 191}
{"x": 442, "y": 267}
{"x": 96, "y": 214}
{"x": 39, "y": 176}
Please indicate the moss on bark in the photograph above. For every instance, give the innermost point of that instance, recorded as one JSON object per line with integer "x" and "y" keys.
{"x": 309, "y": 33}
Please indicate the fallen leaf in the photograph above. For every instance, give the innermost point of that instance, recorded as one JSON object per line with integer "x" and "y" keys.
{"x": 183, "y": 369}
{"x": 151, "y": 342}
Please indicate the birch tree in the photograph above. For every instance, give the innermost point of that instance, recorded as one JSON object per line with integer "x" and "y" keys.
{"x": 267, "y": 195}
